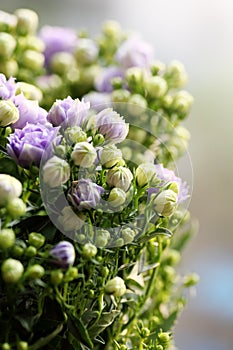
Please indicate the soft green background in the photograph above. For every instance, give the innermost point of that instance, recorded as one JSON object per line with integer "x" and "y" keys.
{"x": 200, "y": 34}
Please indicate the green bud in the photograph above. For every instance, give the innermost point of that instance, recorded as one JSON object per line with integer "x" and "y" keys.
{"x": 146, "y": 174}
{"x": 7, "y": 238}
{"x": 165, "y": 202}
{"x": 120, "y": 95}
{"x": 176, "y": 75}
{"x": 84, "y": 154}
{"x": 191, "y": 280}
{"x": 173, "y": 186}
{"x": 30, "y": 252}
{"x": 157, "y": 67}
{"x": 91, "y": 293}
{"x": 164, "y": 339}
{"x": 111, "y": 29}
{"x": 156, "y": 86}
{"x": 123, "y": 347}
{"x": 111, "y": 156}
{"x": 116, "y": 287}
{"x": 9, "y": 114}
{"x": 116, "y": 197}
{"x": 12, "y": 270}
{"x": 27, "y": 21}
{"x": 75, "y": 135}
{"x": 9, "y": 188}
{"x": 6, "y": 346}
{"x": 34, "y": 272}
{"x": 17, "y": 251}
{"x": 36, "y": 240}
{"x": 8, "y": 22}
{"x": 98, "y": 139}
{"x": 32, "y": 60}
{"x": 137, "y": 105}
{"x": 16, "y": 208}
{"x": 86, "y": 51}
{"x": 167, "y": 101}
{"x": 118, "y": 242}
{"x": 173, "y": 257}
{"x": 31, "y": 42}
{"x": 7, "y": 45}
{"x": 89, "y": 251}
{"x": 128, "y": 235}
{"x": 56, "y": 277}
{"x": 159, "y": 347}
{"x": 71, "y": 274}
{"x": 104, "y": 271}
{"x": 182, "y": 102}
{"x": 30, "y": 91}
{"x": 22, "y": 345}
{"x": 56, "y": 172}
{"x": 102, "y": 238}
{"x": 9, "y": 68}
{"x": 135, "y": 77}
{"x": 61, "y": 62}
{"x": 120, "y": 177}
{"x": 144, "y": 332}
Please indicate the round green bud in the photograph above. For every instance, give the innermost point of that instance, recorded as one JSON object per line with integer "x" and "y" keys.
{"x": 116, "y": 287}
{"x": 146, "y": 174}
{"x": 134, "y": 77}
{"x": 117, "y": 197}
{"x": 34, "y": 272}
{"x": 84, "y": 154}
{"x": 120, "y": 95}
{"x": 9, "y": 68}
{"x": 159, "y": 347}
{"x": 128, "y": 235}
{"x": 144, "y": 332}
{"x": 89, "y": 251}
{"x": 75, "y": 135}
{"x": 98, "y": 139}
{"x": 91, "y": 293}
{"x": 164, "y": 339}
{"x": 5, "y": 346}
{"x": 156, "y": 86}
{"x": 182, "y": 102}
{"x": 32, "y": 60}
{"x": 7, "y": 238}
{"x": 165, "y": 202}
{"x": 104, "y": 271}
{"x": 176, "y": 75}
{"x": 8, "y": 113}
{"x": 56, "y": 277}
{"x": 9, "y": 188}
{"x": 56, "y": 172}
{"x": 118, "y": 242}
{"x": 12, "y": 270}
{"x": 71, "y": 274}
{"x": 30, "y": 91}
{"x": 17, "y": 251}
{"x": 22, "y": 345}
{"x": 61, "y": 62}
{"x": 111, "y": 29}
{"x": 111, "y": 156}
{"x": 27, "y": 21}
{"x": 31, "y": 42}
{"x": 36, "y": 240}
{"x": 120, "y": 177}
{"x": 137, "y": 105}
{"x": 101, "y": 239}
{"x": 157, "y": 67}
{"x": 30, "y": 251}
{"x": 16, "y": 208}
{"x": 7, "y": 45}
{"x": 191, "y": 280}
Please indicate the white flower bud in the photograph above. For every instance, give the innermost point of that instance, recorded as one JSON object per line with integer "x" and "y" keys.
{"x": 9, "y": 68}
{"x": 182, "y": 102}
{"x": 9, "y": 114}
{"x": 61, "y": 62}
{"x": 120, "y": 177}
{"x": 12, "y": 270}
{"x": 7, "y": 238}
{"x": 9, "y": 188}
{"x": 32, "y": 60}
{"x": 117, "y": 197}
{"x": 128, "y": 235}
{"x": 31, "y": 92}
{"x": 176, "y": 75}
{"x": 111, "y": 156}
{"x": 16, "y": 208}
{"x": 134, "y": 76}
{"x": 70, "y": 221}
{"x": 146, "y": 174}
{"x": 8, "y": 22}
{"x": 137, "y": 105}
{"x": 7, "y": 45}
{"x": 156, "y": 86}
{"x": 111, "y": 29}
{"x": 84, "y": 154}
{"x": 116, "y": 287}
{"x": 56, "y": 172}
{"x": 27, "y": 21}
{"x": 165, "y": 202}
{"x": 75, "y": 134}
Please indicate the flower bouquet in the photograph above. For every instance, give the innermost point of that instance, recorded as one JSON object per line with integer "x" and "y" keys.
{"x": 93, "y": 213}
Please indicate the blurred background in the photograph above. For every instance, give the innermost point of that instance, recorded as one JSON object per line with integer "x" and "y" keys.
{"x": 199, "y": 33}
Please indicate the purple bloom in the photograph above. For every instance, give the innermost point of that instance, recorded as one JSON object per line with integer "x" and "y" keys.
{"x": 64, "y": 254}
{"x": 134, "y": 52}
{"x": 68, "y": 112}
{"x": 165, "y": 175}
{"x": 85, "y": 194}
{"x": 57, "y": 39}
{"x": 7, "y": 87}
{"x": 98, "y": 100}
{"x": 26, "y": 146}
{"x": 112, "y": 125}
{"x": 29, "y": 112}
{"x": 103, "y": 81}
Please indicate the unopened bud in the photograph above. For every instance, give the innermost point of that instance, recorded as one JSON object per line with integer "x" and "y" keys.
{"x": 16, "y": 208}
{"x": 128, "y": 235}
{"x": 9, "y": 114}
{"x": 8, "y": 22}
{"x": 116, "y": 197}
{"x": 86, "y": 51}
{"x": 116, "y": 287}
{"x": 165, "y": 202}
{"x": 27, "y": 21}
{"x": 32, "y": 60}
{"x": 61, "y": 62}
{"x": 56, "y": 277}
{"x": 182, "y": 102}
{"x": 12, "y": 270}
{"x": 56, "y": 172}
{"x": 75, "y": 135}
{"x": 31, "y": 92}
{"x": 176, "y": 75}
{"x": 36, "y": 239}
{"x": 120, "y": 95}
{"x": 156, "y": 86}
{"x": 7, "y": 45}
{"x": 137, "y": 105}
{"x": 157, "y": 67}
{"x": 34, "y": 272}
{"x": 84, "y": 154}
{"x": 7, "y": 238}
{"x": 89, "y": 251}
{"x": 191, "y": 280}
{"x": 9, "y": 68}
{"x": 146, "y": 174}
{"x": 22, "y": 345}
{"x": 9, "y": 188}
{"x": 111, "y": 29}
{"x": 120, "y": 177}
{"x": 111, "y": 156}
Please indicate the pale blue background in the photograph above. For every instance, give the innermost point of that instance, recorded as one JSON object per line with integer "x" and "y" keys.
{"x": 200, "y": 34}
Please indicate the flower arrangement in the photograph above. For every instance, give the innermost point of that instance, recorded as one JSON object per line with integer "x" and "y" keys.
{"x": 93, "y": 213}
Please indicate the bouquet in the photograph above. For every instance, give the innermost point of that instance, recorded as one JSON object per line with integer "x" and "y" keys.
{"x": 93, "y": 211}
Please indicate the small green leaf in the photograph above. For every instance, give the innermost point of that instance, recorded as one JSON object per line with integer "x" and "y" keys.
{"x": 162, "y": 231}
{"x": 105, "y": 320}
{"x": 79, "y": 331}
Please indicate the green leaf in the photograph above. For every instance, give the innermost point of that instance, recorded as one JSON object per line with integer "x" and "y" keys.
{"x": 8, "y": 166}
{"x": 104, "y": 321}
{"x": 79, "y": 331}
{"x": 162, "y": 231}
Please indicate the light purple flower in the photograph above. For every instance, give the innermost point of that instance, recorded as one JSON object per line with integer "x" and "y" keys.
{"x": 103, "y": 80}
{"x": 29, "y": 112}
{"x": 7, "y": 87}
{"x": 165, "y": 175}
{"x": 64, "y": 254}
{"x": 68, "y": 112}
{"x": 112, "y": 125}
{"x": 85, "y": 194}
{"x": 98, "y": 100}
{"x": 26, "y": 146}
{"x": 134, "y": 52}
{"x": 57, "y": 39}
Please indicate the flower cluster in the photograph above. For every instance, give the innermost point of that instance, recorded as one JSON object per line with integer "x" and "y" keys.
{"x": 92, "y": 212}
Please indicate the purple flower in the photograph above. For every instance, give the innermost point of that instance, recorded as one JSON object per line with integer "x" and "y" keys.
{"x": 98, "y": 100}
{"x": 103, "y": 81}
{"x": 165, "y": 175}
{"x": 134, "y": 52}
{"x": 68, "y": 112}
{"x": 85, "y": 194}
{"x": 57, "y": 39}
{"x": 112, "y": 125}
{"x": 64, "y": 254}
{"x": 29, "y": 112}
{"x": 26, "y": 146}
{"x": 7, "y": 87}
